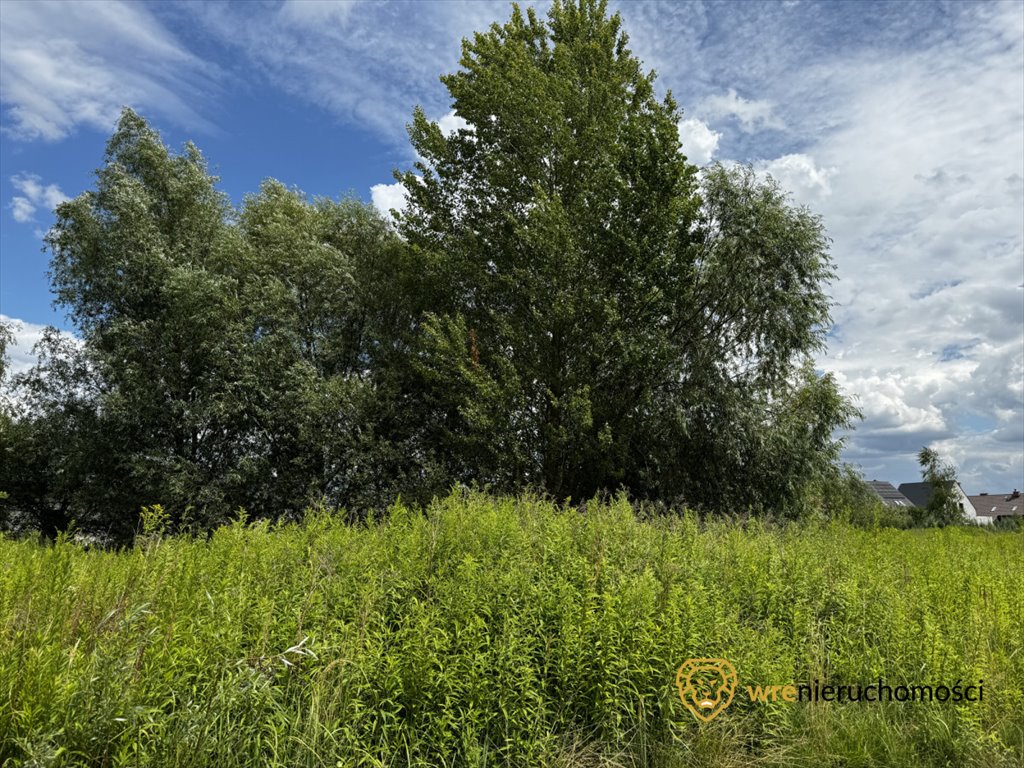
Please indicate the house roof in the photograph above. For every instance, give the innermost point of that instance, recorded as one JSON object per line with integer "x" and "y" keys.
{"x": 889, "y": 494}
{"x": 918, "y": 493}
{"x": 998, "y": 504}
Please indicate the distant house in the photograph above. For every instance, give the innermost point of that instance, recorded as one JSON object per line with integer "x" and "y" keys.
{"x": 921, "y": 493}
{"x": 991, "y": 508}
{"x": 889, "y": 495}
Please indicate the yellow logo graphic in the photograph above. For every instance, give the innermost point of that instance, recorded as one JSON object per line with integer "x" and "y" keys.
{"x": 706, "y": 686}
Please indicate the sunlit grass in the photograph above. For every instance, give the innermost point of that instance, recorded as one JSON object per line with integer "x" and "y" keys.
{"x": 506, "y": 632}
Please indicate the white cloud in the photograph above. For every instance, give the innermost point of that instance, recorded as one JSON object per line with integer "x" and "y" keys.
{"x": 986, "y": 465}
{"x": 698, "y": 140}
{"x": 927, "y": 226}
{"x": 905, "y": 134}
{"x": 799, "y": 174}
{"x": 19, "y": 353}
{"x": 67, "y": 64}
{"x": 452, "y": 122}
{"x": 367, "y": 65}
{"x": 33, "y": 195}
{"x": 22, "y": 209}
{"x": 26, "y": 336}
{"x": 386, "y": 197}
{"x": 752, "y": 114}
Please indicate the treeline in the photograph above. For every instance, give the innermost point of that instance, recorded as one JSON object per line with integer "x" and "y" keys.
{"x": 565, "y": 304}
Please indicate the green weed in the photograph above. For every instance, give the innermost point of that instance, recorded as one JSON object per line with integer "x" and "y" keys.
{"x": 503, "y": 631}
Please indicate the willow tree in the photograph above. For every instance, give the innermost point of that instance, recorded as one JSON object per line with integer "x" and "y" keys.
{"x": 601, "y": 314}
{"x": 226, "y": 358}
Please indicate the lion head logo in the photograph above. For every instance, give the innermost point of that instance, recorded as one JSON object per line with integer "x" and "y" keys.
{"x": 706, "y": 686}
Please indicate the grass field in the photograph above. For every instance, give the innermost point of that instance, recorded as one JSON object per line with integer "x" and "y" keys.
{"x": 489, "y": 632}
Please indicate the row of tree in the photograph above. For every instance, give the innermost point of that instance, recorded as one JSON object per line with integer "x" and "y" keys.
{"x": 564, "y": 304}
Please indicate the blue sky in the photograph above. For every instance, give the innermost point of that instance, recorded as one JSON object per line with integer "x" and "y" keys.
{"x": 901, "y": 123}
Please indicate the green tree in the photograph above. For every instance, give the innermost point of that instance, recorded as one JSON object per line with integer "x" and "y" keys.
{"x": 943, "y": 507}
{"x": 60, "y": 460}
{"x": 601, "y": 316}
{"x": 227, "y": 357}
{"x": 567, "y": 305}
{"x": 323, "y": 284}
{"x": 136, "y": 265}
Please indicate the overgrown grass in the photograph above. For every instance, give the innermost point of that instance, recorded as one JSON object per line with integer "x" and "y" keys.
{"x": 505, "y": 632}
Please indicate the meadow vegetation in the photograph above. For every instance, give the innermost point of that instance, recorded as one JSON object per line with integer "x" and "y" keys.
{"x": 488, "y": 631}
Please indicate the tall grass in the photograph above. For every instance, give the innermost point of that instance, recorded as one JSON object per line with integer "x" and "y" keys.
{"x": 488, "y": 632}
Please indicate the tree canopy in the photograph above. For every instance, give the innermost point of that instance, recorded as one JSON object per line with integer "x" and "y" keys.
{"x": 565, "y": 304}
{"x": 601, "y": 314}
{"x": 225, "y": 354}
{"x": 943, "y": 507}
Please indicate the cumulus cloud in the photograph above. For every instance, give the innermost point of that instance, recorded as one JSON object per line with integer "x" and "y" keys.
{"x": 800, "y": 175}
{"x": 905, "y": 134}
{"x": 33, "y": 195}
{"x": 906, "y": 138}
{"x": 386, "y": 197}
{"x": 986, "y": 466}
{"x": 927, "y": 233}
{"x": 67, "y": 64}
{"x": 699, "y": 142}
{"x": 22, "y": 209}
{"x": 452, "y": 122}
{"x": 752, "y": 114}
{"x": 26, "y": 336}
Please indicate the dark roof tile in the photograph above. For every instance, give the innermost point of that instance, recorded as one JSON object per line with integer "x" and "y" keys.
{"x": 889, "y": 494}
{"x": 998, "y": 504}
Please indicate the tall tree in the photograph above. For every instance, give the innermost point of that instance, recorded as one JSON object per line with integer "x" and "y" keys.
{"x": 60, "y": 459}
{"x": 570, "y": 305}
{"x": 227, "y": 357}
{"x": 943, "y": 507}
{"x": 322, "y": 284}
{"x": 135, "y": 262}
{"x": 602, "y": 316}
